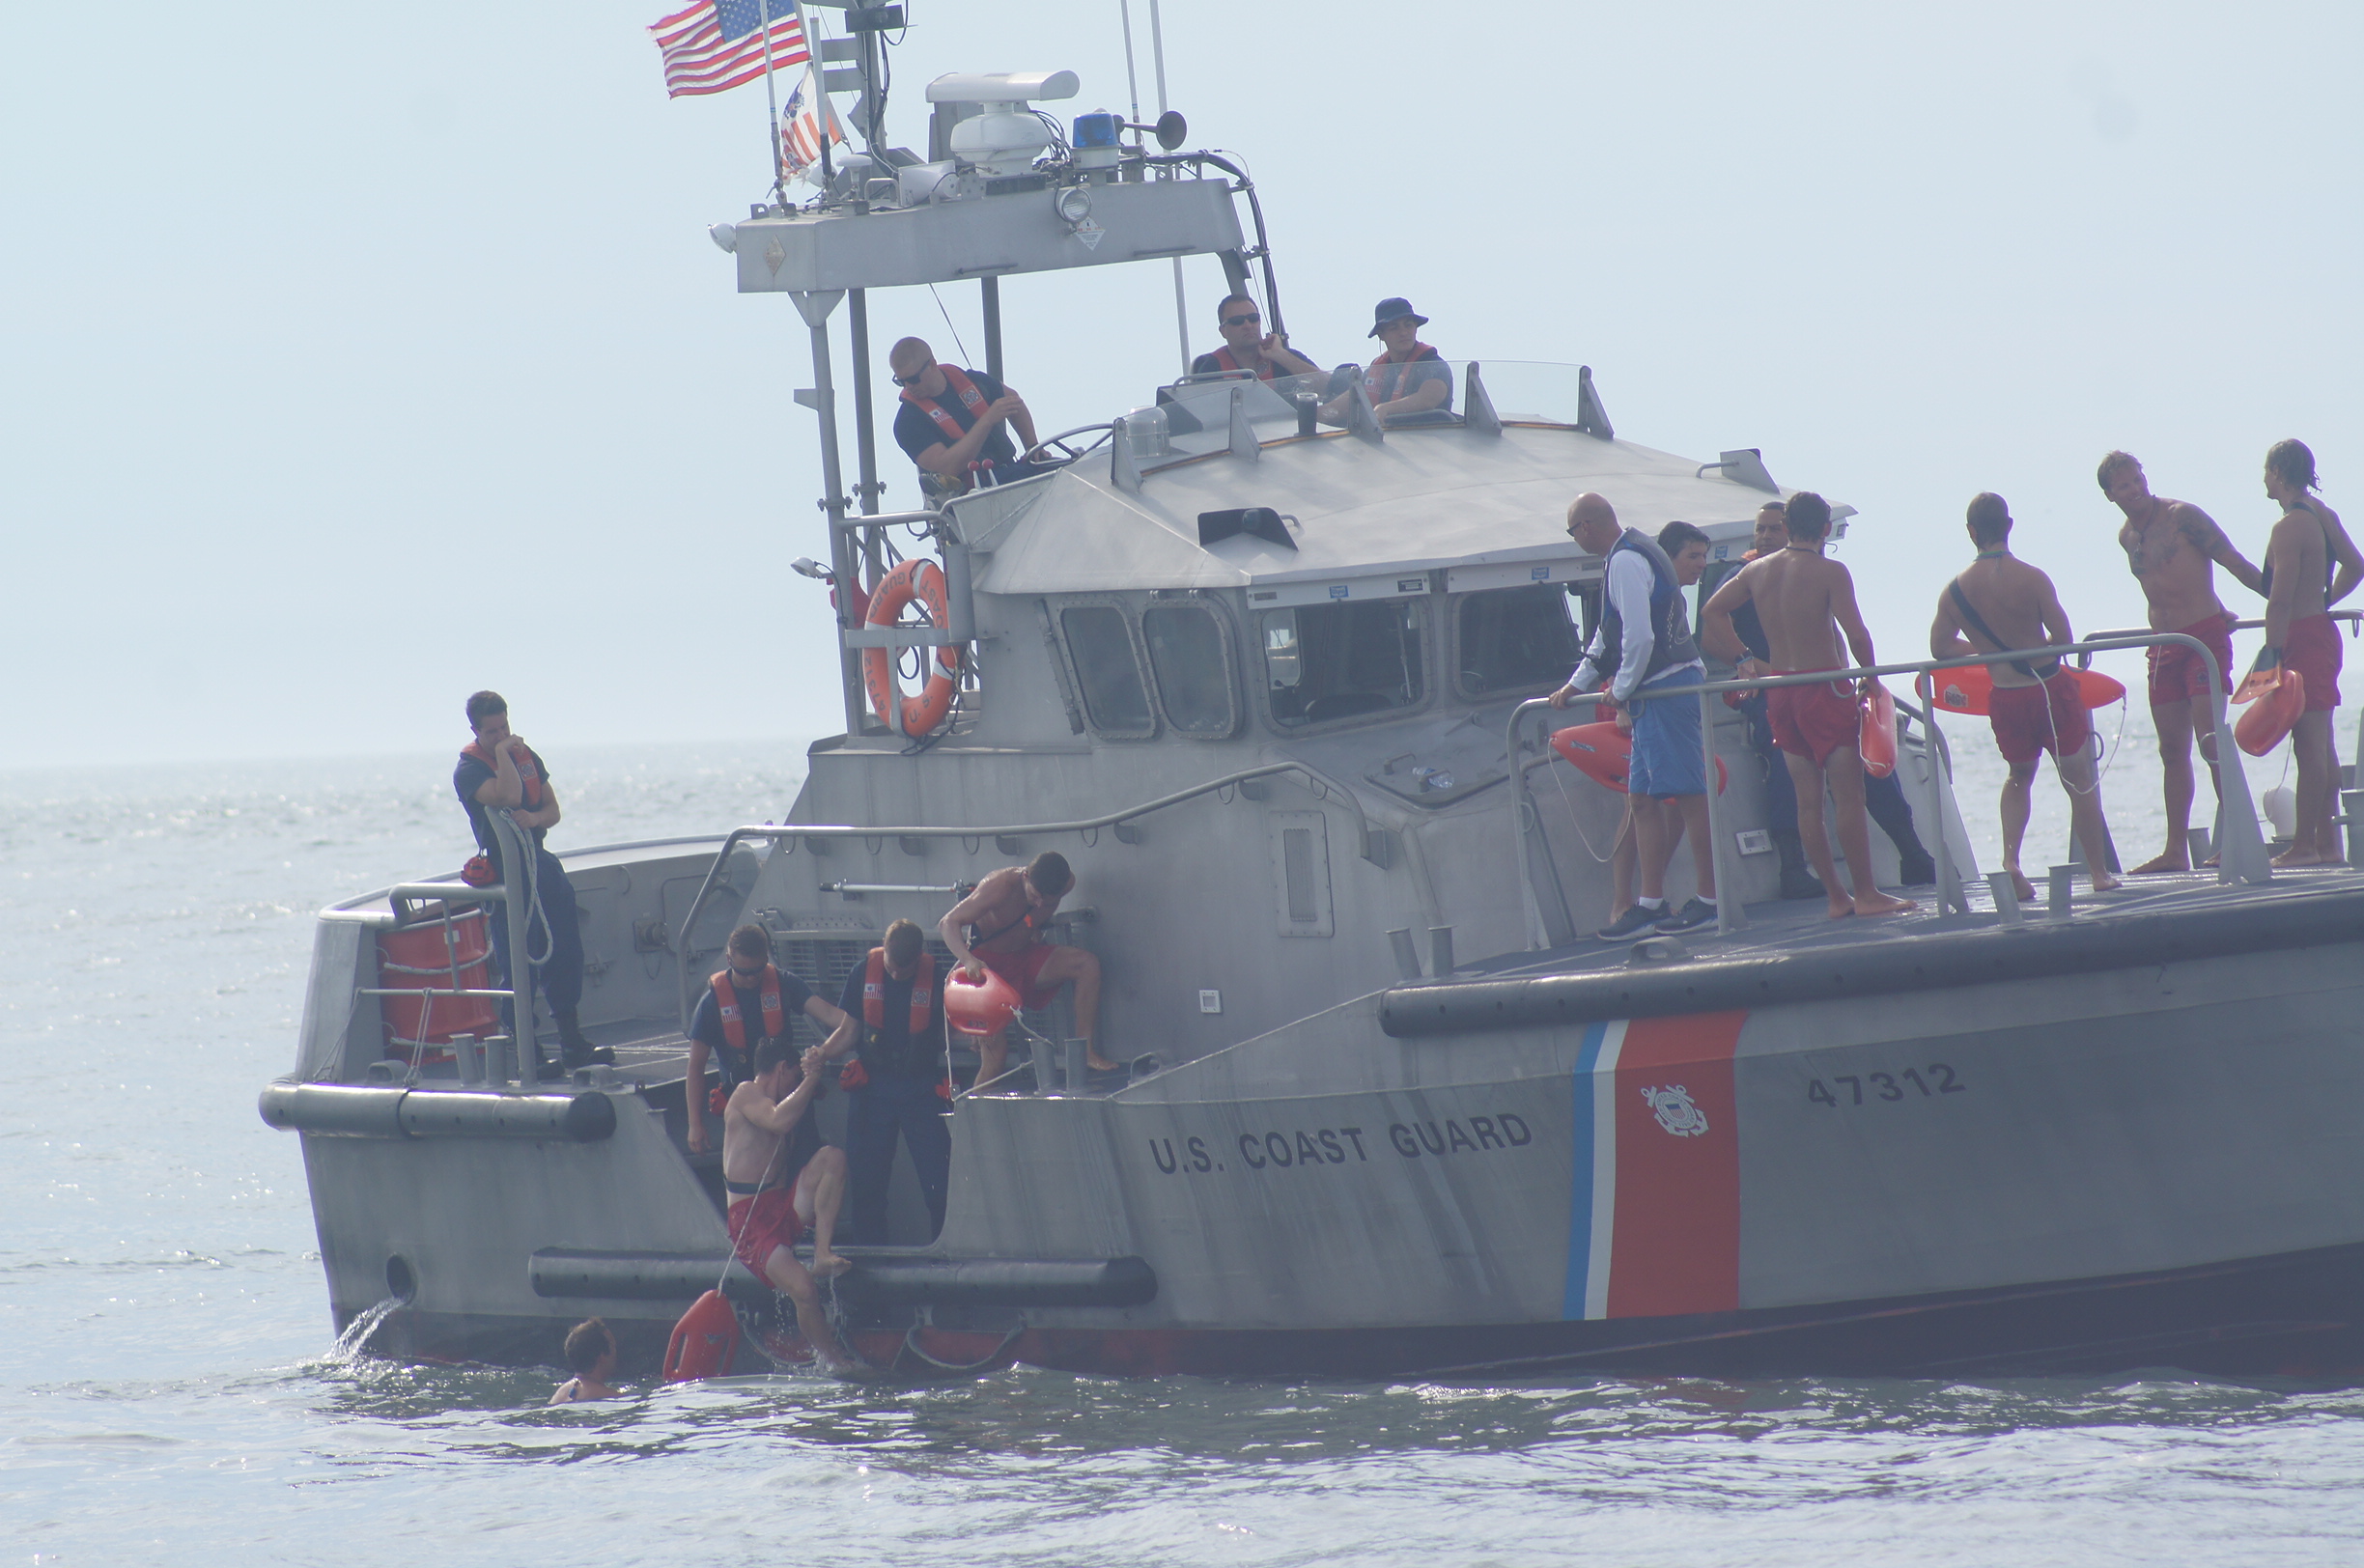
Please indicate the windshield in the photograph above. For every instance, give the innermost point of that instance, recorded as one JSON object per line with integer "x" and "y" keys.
{"x": 1515, "y": 637}
{"x": 1332, "y": 661}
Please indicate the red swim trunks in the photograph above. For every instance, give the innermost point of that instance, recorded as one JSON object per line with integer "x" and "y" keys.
{"x": 764, "y": 1222}
{"x": 2177, "y": 674}
{"x": 1020, "y": 969}
{"x": 2030, "y": 720}
{"x": 2314, "y": 652}
{"x": 1812, "y": 721}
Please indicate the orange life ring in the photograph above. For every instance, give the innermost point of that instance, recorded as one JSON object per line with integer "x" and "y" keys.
{"x": 923, "y": 581}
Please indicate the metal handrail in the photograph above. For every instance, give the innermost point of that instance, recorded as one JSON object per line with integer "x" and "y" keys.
{"x": 1321, "y": 788}
{"x": 2085, "y": 661}
{"x": 2240, "y": 846}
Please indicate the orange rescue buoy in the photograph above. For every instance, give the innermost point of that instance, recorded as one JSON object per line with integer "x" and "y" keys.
{"x": 1600, "y": 751}
{"x": 705, "y": 1342}
{"x": 1967, "y": 691}
{"x": 1877, "y": 744}
{"x": 921, "y": 579}
{"x": 979, "y": 1008}
{"x": 2262, "y": 728}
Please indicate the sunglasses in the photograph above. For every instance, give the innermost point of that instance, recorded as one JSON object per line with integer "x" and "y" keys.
{"x": 749, "y": 976}
{"x": 1241, "y": 321}
{"x": 915, "y": 376}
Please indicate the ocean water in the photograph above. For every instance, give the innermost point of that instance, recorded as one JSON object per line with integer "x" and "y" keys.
{"x": 169, "y": 1391}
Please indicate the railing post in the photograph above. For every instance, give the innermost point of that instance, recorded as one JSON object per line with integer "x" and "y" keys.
{"x": 1529, "y": 906}
{"x": 1949, "y": 893}
{"x": 2240, "y": 846}
{"x": 1731, "y": 916}
{"x": 517, "y": 874}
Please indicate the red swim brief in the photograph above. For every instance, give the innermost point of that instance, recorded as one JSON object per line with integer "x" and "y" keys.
{"x": 1812, "y": 721}
{"x": 2312, "y": 649}
{"x": 2030, "y": 720}
{"x": 2177, "y": 674}
{"x": 762, "y": 1222}
{"x": 1021, "y": 968}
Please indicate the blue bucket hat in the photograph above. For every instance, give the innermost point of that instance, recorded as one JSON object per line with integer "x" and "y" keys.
{"x": 1395, "y": 309}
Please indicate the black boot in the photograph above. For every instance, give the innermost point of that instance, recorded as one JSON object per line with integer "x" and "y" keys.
{"x": 1888, "y": 807}
{"x": 574, "y": 1050}
{"x": 1796, "y": 882}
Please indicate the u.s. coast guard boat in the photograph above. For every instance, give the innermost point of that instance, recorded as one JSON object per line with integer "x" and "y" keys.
{"x": 1407, "y": 1115}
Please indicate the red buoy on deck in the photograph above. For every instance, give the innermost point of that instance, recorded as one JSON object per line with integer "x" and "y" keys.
{"x": 1967, "y": 691}
{"x": 1600, "y": 751}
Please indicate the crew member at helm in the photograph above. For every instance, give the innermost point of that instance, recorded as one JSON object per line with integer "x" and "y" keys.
{"x": 951, "y": 422}
{"x": 747, "y": 1002}
{"x": 1004, "y": 927}
{"x": 902, "y": 1082}
{"x": 1248, "y": 347}
{"x": 1409, "y": 384}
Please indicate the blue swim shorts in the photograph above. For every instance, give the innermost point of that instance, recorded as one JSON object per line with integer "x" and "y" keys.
{"x": 1665, "y": 741}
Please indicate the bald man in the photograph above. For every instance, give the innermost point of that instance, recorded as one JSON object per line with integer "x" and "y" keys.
{"x": 955, "y": 424}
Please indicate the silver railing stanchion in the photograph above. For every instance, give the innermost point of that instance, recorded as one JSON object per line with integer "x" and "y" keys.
{"x": 1951, "y": 895}
{"x": 518, "y": 871}
{"x": 2060, "y": 891}
{"x": 1731, "y": 916}
{"x": 2005, "y": 897}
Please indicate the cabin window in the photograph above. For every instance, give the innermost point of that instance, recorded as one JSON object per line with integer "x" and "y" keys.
{"x": 1190, "y": 656}
{"x": 1114, "y": 698}
{"x": 1514, "y": 638}
{"x": 1333, "y": 662}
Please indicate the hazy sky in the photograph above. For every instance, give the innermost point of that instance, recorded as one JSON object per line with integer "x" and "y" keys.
{"x": 357, "y": 357}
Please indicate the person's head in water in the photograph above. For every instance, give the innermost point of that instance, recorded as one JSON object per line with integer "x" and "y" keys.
{"x": 1808, "y": 518}
{"x": 2293, "y": 463}
{"x": 904, "y": 939}
{"x": 1989, "y": 520}
{"x": 1049, "y": 875}
{"x": 591, "y": 1350}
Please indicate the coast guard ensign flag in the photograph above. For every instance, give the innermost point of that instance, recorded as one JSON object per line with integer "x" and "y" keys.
{"x": 716, "y": 45}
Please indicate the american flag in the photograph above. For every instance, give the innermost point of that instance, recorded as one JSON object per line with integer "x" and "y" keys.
{"x": 714, "y": 44}
{"x": 800, "y": 126}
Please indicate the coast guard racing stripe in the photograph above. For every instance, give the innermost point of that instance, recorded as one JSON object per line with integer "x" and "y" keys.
{"x": 1654, "y": 1202}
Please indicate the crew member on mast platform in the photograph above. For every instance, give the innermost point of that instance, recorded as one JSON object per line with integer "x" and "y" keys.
{"x": 745, "y": 1003}
{"x": 1246, "y": 346}
{"x": 1645, "y": 640}
{"x": 1002, "y": 927}
{"x": 951, "y": 421}
{"x": 1409, "y": 384}
{"x": 496, "y": 771}
{"x": 903, "y": 1081}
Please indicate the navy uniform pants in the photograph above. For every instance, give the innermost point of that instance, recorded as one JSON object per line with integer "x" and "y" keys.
{"x": 1884, "y": 800}
{"x": 561, "y": 975}
{"x": 892, "y": 1103}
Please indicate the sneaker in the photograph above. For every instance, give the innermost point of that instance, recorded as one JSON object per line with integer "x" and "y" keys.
{"x": 1694, "y": 913}
{"x": 1631, "y": 924}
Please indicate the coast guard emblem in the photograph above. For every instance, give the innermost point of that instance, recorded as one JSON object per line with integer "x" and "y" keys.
{"x": 1676, "y": 1113}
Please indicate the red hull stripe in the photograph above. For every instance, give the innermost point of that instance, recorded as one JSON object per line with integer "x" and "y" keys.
{"x": 1677, "y": 1246}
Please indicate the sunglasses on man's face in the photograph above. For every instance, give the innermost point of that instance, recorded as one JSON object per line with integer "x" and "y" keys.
{"x": 915, "y": 376}
{"x": 1241, "y": 321}
{"x": 750, "y": 976}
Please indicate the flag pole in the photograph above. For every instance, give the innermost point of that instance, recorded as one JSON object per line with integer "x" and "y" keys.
{"x": 779, "y": 172}
{"x": 819, "y": 83}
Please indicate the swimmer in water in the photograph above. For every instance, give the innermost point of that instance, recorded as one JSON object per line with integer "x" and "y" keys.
{"x": 591, "y": 1350}
{"x": 2001, "y": 602}
{"x": 1805, "y": 600}
{"x": 2173, "y": 547}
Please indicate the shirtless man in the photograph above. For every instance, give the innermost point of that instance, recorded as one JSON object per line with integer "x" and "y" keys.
{"x": 2001, "y": 602}
{"x": 2172, "y": 547}
{"x": 2304, "y": 550}
{"x": 591, "y": 1352}
{"x": 1002, "y": 927}
{"x": 766, "y": 1213}
{"x": 1805, "y": 599}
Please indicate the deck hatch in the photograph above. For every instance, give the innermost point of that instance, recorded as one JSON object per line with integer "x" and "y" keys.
{"x": 1300, "y": 863}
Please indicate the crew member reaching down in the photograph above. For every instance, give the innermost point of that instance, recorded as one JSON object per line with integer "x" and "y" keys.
{"x": 956, "y": 423}
{"x": 1004, "y": 926}
{"x": 748, "y": 1001}
{"x": 2000, "y": 603}
{"x": 904, "y": 1086}
{"x": 783, "y": 1181}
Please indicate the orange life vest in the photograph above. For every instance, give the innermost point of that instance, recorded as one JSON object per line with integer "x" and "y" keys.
{"x": 774, "y": 1009}
{"x": 1378, "y": 382}
{"x": 975, "y": 400}
{"x": 874, "y": 991}
{"x": 528, "y": 775}
{"x": 1225, "y": 358}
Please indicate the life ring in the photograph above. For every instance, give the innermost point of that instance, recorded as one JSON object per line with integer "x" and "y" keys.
{"x": 921, "y": 579}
